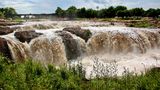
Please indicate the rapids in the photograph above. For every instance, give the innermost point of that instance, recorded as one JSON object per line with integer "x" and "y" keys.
{"x": 111, "y": 50}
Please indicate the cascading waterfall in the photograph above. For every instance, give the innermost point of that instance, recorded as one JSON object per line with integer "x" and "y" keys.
{"x": 128, "y": 47}
{"x": 52, "y": 46}
{"x": 122, "y": 39}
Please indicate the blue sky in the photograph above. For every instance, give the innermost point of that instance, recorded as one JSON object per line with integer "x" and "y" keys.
{"x": 49, "y": 6}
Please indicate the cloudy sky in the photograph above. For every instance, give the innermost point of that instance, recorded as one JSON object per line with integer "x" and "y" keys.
{"x": 49, "y": 6}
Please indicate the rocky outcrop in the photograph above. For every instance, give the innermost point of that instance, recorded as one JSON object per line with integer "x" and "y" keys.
{"x": 4, "y": 49}
{"x": 83, "y": 33}
{"x": 5, "y": 30}
{"x": 26, "y": 36}
{"x": 48, "y": 51}
{"x": 71, "y": 46}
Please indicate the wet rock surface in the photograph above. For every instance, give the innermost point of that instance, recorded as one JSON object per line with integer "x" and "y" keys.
{"x": 26, "y": 36}
{"x": 72, "y": 50}
{"x": 5, "y": 30}
{"x": 4, "y": 49}
{"x": 83, "y": 33}
{"x": 48, "y": 51}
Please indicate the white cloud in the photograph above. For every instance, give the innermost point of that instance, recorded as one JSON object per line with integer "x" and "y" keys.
{"x": 48, "y": 6}
{"x": 106, "y": 2}
{"x": 20, "y": 5}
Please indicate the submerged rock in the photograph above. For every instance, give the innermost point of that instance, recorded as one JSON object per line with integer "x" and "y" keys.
{"x": 4, "y": 49}
{"x": 71, "y": 46}
{"x": 74, "y": 47}
{"x": 5, "y": 30}
{"x": 48, "y": 51}
{"x": 26, "y": 36}
{"x": 83, "y": 33}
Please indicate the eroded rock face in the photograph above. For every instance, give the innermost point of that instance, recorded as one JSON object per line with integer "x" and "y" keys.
{"x": 26, "y": 36}
{"x": 71, "y": 45}
{"x": 83, "y": 33}
{"x": 4, "y": 49}
{"x": 5, "y": 30}
{"x": 48, "y": 51}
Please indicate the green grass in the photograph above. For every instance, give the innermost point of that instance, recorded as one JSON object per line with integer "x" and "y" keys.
{"x": 18, "y": 20}
{"x": 32, "y": 75}
{"x": 142, "y": 24}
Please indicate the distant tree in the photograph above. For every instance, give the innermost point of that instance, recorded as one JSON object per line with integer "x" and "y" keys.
{"x": 120, "y": 8}
{"x": 90, "y": 13}
{"x": 97, "y": 7}
{"x": 152, "y": 12}
{"x": 60, "y": 12}
{"x": 9, "y": 12}
{"x": 111, "y": 12}
{"x": 81, "y": 13}
{"x": 102, "y": 13}
{"x": 123, "y": 13}
{"x": 137, "y": 12}
{"x": 71, "y": 12}
{"x": 107, "y": 13}
{"x": 120, "y": 11}
{"x": 158, "y": 11}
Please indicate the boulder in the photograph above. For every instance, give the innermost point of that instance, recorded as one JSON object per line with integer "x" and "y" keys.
{"x": 4, "y": 49}
{"x": 26, "y": 36}
{"x": 83, "y": 33}
{"x": 5, "y": 30}
{"x": 71, "y": 45}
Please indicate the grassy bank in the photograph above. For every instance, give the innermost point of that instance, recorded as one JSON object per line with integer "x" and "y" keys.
{"x": 31, "y": 75}
{"x": 141, "y": 22}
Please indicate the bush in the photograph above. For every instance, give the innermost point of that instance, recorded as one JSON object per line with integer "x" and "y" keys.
{"x": 32, "y": 75}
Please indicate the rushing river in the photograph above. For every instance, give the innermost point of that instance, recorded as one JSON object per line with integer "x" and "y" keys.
{"x": 111, "y": 50}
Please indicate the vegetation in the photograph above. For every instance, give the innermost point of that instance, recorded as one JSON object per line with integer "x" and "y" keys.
{"x": 60, "y": 12}
{"x": 144, "y": 24}
{"x": 32, "y": 75}
{"x": 71, "y": 12}
{"x": 8, "y": 12}
{"x": 110, "y": 12}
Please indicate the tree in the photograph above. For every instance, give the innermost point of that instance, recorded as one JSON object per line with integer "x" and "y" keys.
{"x": 81, "y": 13}
{"x": 60, "y": 12}
{"x": 152, "y": 12}
{"x": 9, "y": 12}
{"x": 110, "y": 12}
{"x": 158, "y": 11}
{"x": 102, "y": 13}
{"x": 137, "y": 12}
{"x": 123, "y": 13}
{"x": 90, "y": 13}
{"x": 120, "y": 11}
{"x": 71, "y": 12}
{"x": 120, "y": 8}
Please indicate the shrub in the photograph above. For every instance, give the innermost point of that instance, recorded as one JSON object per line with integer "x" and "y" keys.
{"x": 33, "y": 75}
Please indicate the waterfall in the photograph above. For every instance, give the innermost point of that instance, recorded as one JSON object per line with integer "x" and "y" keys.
{"x": 126, "y": 46}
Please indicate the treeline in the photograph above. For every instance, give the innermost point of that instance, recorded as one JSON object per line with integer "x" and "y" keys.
{"x": 8, "y": 12}
{"x": 111, "y": 12}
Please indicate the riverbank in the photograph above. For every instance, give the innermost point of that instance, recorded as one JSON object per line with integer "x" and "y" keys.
{"x": 140, "y": 22}
{"x": 33, "y": 75}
